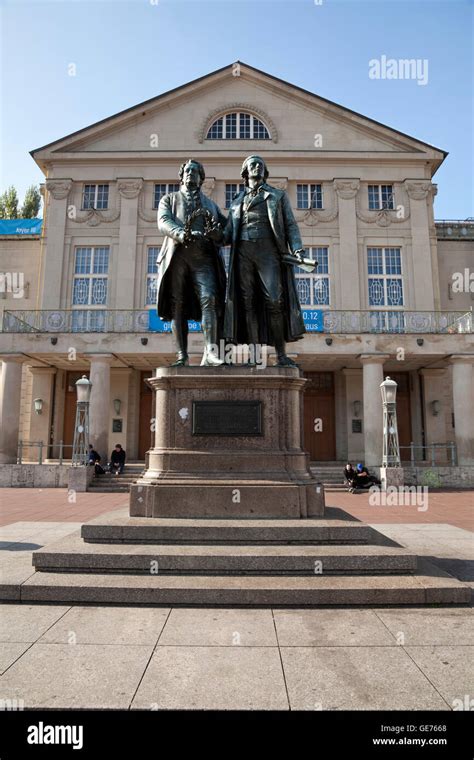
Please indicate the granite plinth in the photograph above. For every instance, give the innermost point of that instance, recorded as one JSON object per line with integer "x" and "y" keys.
{"x": 192, "y": 473}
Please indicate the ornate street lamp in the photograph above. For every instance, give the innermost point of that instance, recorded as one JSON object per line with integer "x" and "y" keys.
{"x": 391, "y": 448}
{"x": 80, "y": 447}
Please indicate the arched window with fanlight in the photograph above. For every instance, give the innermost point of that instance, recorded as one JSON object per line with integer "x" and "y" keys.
{"x": 238, "y": 126}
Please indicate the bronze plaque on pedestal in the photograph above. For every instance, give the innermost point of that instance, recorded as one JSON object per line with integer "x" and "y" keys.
{"x": 227, "y": 418}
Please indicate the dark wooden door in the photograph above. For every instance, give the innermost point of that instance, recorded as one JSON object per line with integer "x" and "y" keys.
{"x": 145, "y": 435}
{"x": 70, "y": 405}
{"x": 403, "y": 411}
{"x": 319, "y": 417}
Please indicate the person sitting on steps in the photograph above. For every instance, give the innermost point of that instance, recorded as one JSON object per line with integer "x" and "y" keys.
{"x": 117, "y": 460}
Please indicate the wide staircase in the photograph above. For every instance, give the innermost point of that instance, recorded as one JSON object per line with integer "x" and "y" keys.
{"x": 328, "y": 473}
{"x": 117, "y": 483}
{"x": 335, "y": 560}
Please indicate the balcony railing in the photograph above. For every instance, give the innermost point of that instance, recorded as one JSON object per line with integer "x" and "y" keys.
{"x": 455, "y": 229}
{"x": 325, "y": 321}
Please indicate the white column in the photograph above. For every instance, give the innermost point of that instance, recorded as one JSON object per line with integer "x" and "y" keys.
{"x": 347, "y": 190}
{"x": 10, "y": 394}
{"x": 421, "y": 193}
{"x": 129, "y": 190}
{"x": 100, "y": 404}
{"x": 55, "y": 217}
{"x": 372, "y": 374}
{"x": 463, "y": 401}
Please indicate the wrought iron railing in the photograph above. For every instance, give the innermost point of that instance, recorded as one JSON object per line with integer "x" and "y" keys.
{"x": 327, "y": 321}
{"x": 457, "y": 229}
{"x": 420, "y": 453}
{"x": 39, "y": 449}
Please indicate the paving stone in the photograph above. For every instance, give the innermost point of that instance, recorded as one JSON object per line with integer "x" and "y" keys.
{"x": 430, "y": 626}
{"x": 356, "y": 678}
{"x": 219, "y": 627}
{"x": 75, "y": 676}
{"x": 24, "y": 622}
{"x": 213, "y": 678}
{"x": 449, "y": 668}
{"x": 323, "y": 627}
{"x": 108, "y": 625}
{"x": 9, "y": 652}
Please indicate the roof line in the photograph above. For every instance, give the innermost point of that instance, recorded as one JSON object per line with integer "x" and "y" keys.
{"x": 218, "y": 71}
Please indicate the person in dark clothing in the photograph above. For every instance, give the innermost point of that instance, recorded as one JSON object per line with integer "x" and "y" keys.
{"x": 94, "y": 457}
{"x": 349, "y": 475}
{"x": 117, "y": 460}
{"x": 363, "y": 479}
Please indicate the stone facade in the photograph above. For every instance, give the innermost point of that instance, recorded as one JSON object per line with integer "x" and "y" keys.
{"x": 311, "y": 141}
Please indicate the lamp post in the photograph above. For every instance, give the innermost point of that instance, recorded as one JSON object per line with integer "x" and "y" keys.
{"x": 391, "y": 448}
{"x": 81, "y": 428}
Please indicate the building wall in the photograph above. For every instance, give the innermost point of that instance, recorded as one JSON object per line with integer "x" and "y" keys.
{"x": 20, "y": 260}
{"x": 455, "y": 260}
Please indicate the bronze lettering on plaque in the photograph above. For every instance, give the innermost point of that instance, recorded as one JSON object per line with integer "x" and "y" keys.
{"x": 228, "y": 418}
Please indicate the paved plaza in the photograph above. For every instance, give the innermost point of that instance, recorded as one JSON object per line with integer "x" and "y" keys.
{"x": 75, "y": 656}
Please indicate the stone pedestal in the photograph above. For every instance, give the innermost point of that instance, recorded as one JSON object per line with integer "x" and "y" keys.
{"x": 204, "y": 464}
{"x": 391, "y": 476}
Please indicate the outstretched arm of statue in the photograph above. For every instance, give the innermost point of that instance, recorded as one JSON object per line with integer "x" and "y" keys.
{"x": 291, "y": 227}
{"x": 167, "y": 223}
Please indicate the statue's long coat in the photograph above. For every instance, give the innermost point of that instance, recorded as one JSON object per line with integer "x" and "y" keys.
{"x": 171, "y": 221}
{"x": 287, "y": 237}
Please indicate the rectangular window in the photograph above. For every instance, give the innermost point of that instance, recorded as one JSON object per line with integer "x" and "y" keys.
{"x": 90, "y": 276}
{"x": 380, "y": 196}
{"x": 314, "y": 289}
{"x": 163, "y": 189}
{"x": 231, "y": 126}
{"x": 309, "y": 196}
{"x": 151, "y": 275}
{"x": 245, "y": 126}
{"x": 385, "y": 281}
{"x": 231, "y": 191}
{"x": 95, "y": 196}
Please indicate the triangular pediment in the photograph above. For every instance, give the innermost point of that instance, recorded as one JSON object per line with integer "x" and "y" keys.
{"x": 297, "y": 120}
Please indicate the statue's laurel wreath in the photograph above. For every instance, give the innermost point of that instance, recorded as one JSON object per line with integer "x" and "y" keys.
{"x": 209, "y": 223}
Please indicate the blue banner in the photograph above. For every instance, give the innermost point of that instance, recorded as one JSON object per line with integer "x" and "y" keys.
{"x": 156, "y": 324}
{"x": 313, "y": 320}
{"x": 21, "y": 226}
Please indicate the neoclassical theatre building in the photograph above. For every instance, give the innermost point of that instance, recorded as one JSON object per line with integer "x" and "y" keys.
{"x": 392, "y": 294}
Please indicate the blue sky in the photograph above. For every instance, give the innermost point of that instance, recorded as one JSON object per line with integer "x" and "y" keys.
{"x": 127, "y": 51}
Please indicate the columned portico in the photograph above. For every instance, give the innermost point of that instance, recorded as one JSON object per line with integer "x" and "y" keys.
{"x": 10, "y": 395}
{"x": 372, "y": 373}
{"x": 100, "y": 403}
{"x": 463, "y": 404}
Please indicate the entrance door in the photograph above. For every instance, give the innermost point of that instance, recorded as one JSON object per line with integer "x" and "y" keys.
{"x": 145, "y": 434}
{"x": 70, "y": 405}
{"x": 319, "y": 416}
{"x": 403, "y": 411}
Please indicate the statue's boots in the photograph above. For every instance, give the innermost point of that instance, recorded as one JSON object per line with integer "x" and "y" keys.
{"x": 278, "y": 330}
{"x": 210, "y": 357}
{"x": 179, "y": 329}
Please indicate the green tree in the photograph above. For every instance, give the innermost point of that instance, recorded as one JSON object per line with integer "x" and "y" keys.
{"x": 31, "y": 203}
{"x": 9, "y": 204}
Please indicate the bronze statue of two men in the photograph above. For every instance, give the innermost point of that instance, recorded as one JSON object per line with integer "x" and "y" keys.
{"x": 258, "y": 304}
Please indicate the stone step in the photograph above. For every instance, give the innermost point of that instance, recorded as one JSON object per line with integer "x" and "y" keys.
{"x": 430, "y": 586}
{"x": 73, "y": 554}
{"x": 159, "y": 530}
